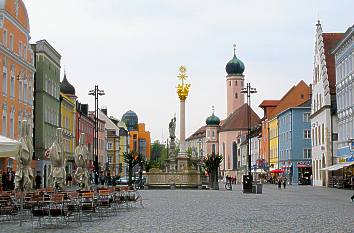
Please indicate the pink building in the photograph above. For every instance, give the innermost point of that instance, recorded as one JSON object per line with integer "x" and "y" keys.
{"x": 223, "y": 137}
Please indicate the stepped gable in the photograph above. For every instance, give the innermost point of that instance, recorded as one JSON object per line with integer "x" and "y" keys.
{"x": 238, "y": 119}
{"x": 330, "y": 41}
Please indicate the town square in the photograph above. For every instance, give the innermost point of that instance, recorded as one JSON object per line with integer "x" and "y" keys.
{"x": 176, "y": 116}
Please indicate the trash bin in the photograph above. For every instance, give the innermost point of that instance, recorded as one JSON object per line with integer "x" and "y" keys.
{"x": 247, "y": 184}
{"x": 254, "y": 189}
{"x": 259, "y": 188}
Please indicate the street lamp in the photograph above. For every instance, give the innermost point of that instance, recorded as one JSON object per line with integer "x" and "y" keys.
{"x": 249, "y": 90}
{"x": 96, "y": 92}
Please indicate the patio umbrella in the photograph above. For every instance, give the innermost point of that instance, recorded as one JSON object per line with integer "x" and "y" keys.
{"x": 277, "y": 171}
{"x": 8, "y": 147}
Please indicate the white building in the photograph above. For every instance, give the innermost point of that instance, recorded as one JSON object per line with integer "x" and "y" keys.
{"x": 323, "y": 117}
{"x": 344, "y": 61}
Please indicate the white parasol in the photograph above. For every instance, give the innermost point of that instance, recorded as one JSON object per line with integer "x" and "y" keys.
{"x": 8, "y": 147}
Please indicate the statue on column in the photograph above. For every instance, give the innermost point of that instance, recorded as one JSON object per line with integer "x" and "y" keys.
{"x": 57, "y": 157}
{"x": 81, "y": 159}
{"x": 24, "y": 175}
{"x": 172, "y": 128}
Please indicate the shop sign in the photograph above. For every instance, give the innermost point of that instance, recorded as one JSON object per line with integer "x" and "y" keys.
{"x": 304, "y": 164}
{"x": 342, "y": 160}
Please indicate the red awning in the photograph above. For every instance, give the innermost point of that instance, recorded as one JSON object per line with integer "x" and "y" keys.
{"x": 277, "y": 171}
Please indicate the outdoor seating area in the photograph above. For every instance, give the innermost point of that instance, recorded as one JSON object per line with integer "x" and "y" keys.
{"x": 49, "y": 208}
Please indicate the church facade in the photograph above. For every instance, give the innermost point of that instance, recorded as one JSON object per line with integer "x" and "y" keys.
{"x": 223, "y": 137}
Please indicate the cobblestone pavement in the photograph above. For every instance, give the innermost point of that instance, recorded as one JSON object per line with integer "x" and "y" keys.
{"x": 295, "y": 209}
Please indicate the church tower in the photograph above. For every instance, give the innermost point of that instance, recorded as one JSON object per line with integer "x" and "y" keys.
{"x": 234, "y": 83}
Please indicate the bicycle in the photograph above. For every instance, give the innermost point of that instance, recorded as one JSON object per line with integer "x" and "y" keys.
{"x": 228, "y": 186}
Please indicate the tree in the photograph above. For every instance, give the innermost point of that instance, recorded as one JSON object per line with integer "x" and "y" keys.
{"x": 211, "y": 164}
{"x": 132, "y": 158}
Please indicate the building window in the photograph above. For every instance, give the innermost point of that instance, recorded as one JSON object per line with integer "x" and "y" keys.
{"x": 109, "y": 159}
{"x": 11, "y": 42}
{"x": 4, "y": 82}
{"x": 213, "y": 149}
{"x": 12, "y": 125}
{"x": 229, "y": 83}
{"x": 323, "y": 133}
{"x": 235, "y": 82}
{"x": 212, "y": 133}
{"x": 4, "y": 35}
{"x": 4, "y": 123}
{"x": 307, "y": 134}
{"x": 306, "y": 117}
{"x": 12, "y": 81}
{"x": 109, "y": 146}
{"x": 236, "y": 96}
{"x": 307, "y": 153}
{"x": 20, "y": 49}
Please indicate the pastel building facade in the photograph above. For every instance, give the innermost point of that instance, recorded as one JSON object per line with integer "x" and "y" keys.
{"x": 67, "y": 117}
{"x": 295, "y": 143}
{"x": 17, "y": 79}
{"x": 344, "y": 63}
{"x": 323, "y": 110}
{"x": 298, "y": 94}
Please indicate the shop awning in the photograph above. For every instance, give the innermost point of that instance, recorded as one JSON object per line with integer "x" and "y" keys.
{"x": 337, "y": 166}
{"x": 8, "y": 147}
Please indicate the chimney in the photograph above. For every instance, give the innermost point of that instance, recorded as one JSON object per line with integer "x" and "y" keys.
{"x": 104, "y": 110}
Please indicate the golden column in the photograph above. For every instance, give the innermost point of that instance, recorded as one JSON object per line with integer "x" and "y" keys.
{"x": 182, "y": 91}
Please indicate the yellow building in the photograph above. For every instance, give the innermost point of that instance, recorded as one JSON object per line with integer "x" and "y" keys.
{"x": 67, "y": 120}
{"x": 123, "y": 147}
{"x": 273, "y": 143}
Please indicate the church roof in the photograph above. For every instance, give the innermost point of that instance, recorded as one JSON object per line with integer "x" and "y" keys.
{"x": 238, "y": 119}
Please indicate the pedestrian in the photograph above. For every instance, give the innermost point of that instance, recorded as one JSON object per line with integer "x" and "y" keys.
{"x": 227, "y": 179}
{"x": 69, "y": 180}
{"x": 5, "y": 180}
{"x": 284, "y": 182}
{"x": 279, "y": 183}
{"x": 0, "y": 180}
{"x": 38, "y": 180}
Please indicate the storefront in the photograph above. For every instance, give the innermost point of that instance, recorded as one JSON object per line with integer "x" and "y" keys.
{"x": 304, "y": 172}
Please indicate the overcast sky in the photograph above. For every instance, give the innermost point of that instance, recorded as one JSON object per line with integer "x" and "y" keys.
{"x": 132, "y": 50}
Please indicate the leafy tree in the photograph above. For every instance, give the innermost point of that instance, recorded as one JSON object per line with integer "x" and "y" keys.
{"x": 211, "y": 164}
{"x": 132, "y": 158}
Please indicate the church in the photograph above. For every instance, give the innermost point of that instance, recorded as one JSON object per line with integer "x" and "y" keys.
{"x": 224, "y": 137}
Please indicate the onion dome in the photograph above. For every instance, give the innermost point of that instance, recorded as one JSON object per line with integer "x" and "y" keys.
{"x": 235, "y": 66}
{"x": 66, "y": 87}
{"x": 212, "y": 120}
{"x": 131, "y": 120}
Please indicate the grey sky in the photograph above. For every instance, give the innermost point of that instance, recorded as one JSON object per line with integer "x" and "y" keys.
{"x": 132, "y": 49}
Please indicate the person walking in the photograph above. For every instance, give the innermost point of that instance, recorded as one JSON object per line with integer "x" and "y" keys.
{"x": 279, "y": 183}
{"x": 38, "y": 180}
{"x": 284, "y": 182}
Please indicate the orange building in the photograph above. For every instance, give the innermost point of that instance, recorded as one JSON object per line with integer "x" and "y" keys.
{"x": 139, "y": 141}
{"x": 17, "y": 79}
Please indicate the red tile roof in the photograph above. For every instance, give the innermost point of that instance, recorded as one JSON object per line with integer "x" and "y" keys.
{"x": 200, "y": 133}
{"x": 330, "y": 41}
{"x": 269, "y": 103}
{"x": 238, "y": 119}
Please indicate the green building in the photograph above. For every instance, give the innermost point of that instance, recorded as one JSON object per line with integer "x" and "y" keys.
{"x": 46, "y": 104}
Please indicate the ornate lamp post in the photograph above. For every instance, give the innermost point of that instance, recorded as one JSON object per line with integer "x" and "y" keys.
{"x": 96, "y": 92}
{"x": 249, "y": 90}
